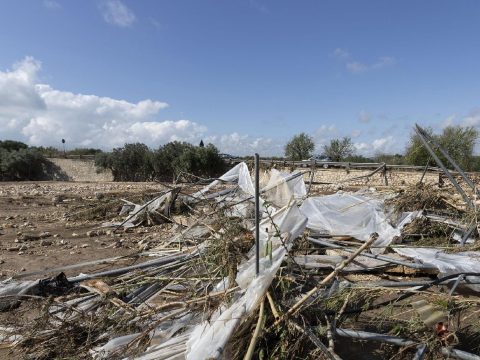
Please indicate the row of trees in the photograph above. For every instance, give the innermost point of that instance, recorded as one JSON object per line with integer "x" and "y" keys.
{"x": 301, "y": 147}
{"x": 137, "y": 162}
{"x": 458, "y": 141}
{"x": 18, "y": 161}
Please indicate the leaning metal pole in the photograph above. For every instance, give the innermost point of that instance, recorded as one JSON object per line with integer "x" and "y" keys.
{"x": 421, "y": 134}
{"x": 449, "y": 158}
{"x": 257, "y": 214}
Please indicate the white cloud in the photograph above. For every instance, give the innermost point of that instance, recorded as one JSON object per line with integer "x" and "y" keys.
{"x": 117, "y": 13}
{"x": 386, "y": 145}
{"x": 323, "y": 135}
{"x": 51, "y": 4}
{"x": 448, "y": 121}
{"x": 473, "y": 118}
{"x": 356, "y": 67}
{"x": 40, "y": 115}
{"x": 243, "y": 144}
{"x": 364, "y": 117}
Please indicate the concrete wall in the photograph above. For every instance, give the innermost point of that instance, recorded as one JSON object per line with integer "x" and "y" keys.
{"x": 81, "y": 170}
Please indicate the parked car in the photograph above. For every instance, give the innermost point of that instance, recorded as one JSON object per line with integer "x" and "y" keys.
{"x": 321, "y": 160}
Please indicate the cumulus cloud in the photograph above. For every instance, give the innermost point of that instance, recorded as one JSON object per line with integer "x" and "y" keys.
{"x": 473, "y": 118}
{"x": 386, "y": 145}
{"x": 16, "y": 90}
{"x": 356, "y": 67}
{"x": 40, "y": 115}
{"x": 243, "y": 144}
{"x": 448, "y": 121}
{"x": 116, "y": 13}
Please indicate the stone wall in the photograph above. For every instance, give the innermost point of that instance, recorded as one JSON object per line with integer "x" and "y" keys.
{"x": 81, "y": 170}
{"x": 84, "y": 170}
{"x": 358, "y": 177}
{"x": 395, "y": 177}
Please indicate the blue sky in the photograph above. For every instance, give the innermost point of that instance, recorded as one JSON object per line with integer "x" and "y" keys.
{"x": 243, "y": 74}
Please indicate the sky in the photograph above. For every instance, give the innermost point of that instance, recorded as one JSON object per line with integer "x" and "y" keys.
{"x": 245, "y": 75}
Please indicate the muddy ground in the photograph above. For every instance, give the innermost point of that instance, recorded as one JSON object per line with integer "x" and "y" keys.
{"x": 52, "y": 224}
{"x": 47, "y": 225}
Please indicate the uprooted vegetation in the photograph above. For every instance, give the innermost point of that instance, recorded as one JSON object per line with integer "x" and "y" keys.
{"x": 340, "y": 276}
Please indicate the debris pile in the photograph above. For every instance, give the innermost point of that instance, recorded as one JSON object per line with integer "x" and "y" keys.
{"x": 353, "y": 275}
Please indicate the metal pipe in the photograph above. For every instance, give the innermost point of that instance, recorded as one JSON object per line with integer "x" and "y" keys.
{"x": 460, "y": 278}
{"x": 364, "y": 335}
{"x": 421, "y": 134}
{"x": 459, "y": 354}
{"x": 421, "y": 352}
{"x": 378, "y": 257}
{"x": 395, "y": 340}
{"x": 449, "y": 158}
{"x": 257, "y": 214}
{"x": 157, "y": 262}
{"x": 425, "y": 170}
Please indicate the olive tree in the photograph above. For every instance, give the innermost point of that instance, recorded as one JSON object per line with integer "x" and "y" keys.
{"x": 300, "y": 147}
{"x": 339, "y": 149}
{"x": 458, "y": 141}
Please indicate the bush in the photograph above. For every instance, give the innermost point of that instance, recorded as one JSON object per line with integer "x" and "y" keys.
{"x": 456, "y": 140}
{"x": 129, "y": 163}
{"x": 84, "y": 151}
{"x": 136, "y": 162}
{"x": 12, "y": 145}
{"x": 22, "y": 164}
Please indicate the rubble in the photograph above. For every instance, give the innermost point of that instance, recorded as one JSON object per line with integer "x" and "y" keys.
{"x": 392, "y": 269}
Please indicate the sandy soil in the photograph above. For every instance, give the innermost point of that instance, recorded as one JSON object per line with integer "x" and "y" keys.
{"x": 40, "y": 227}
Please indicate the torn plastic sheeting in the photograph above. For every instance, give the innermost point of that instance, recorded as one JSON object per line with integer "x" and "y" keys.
{"x": 139, "y": 210}
{"x": 196, "y": 231}
{"x": 350, "y": 214}
{"x": 11, "y": 290}
{"x": 286, "y": 220}
{"x": 158, "y": 338}
{"x": 239, "y": 174}
{"x": 209, "y": 339}
{"x": 8, "y": 336}
{"x": 279, "y": 192}
{"x": 173, "y": 348}
{"x": 360, "y": 263}
{"x": 279, "y": 189}
{"x": 243, "y": 205}
{"x": 447, "y": 264}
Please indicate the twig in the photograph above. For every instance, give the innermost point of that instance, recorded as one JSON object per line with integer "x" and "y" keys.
{"x": 331, "y": 343}
{"x": 256, "y": 334}
{"x": 313, "y": 338}
{"x": 327, "y": 279}
{"x": 275, "y": 313}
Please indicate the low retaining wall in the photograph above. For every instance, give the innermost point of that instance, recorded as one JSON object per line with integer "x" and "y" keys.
{"x": 81, "y": 170}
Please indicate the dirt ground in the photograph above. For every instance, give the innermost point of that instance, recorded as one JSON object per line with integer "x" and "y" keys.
{"x": 45, "y": 224}
{"x": 49, "y": 225}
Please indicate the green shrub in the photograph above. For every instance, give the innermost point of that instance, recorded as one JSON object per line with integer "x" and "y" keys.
{"x": 22, "y": 164}
{"x": 136, "y": 162}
